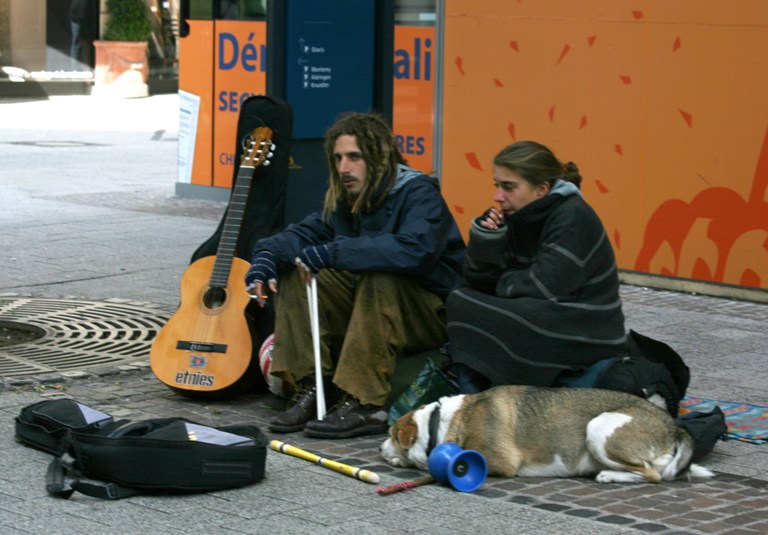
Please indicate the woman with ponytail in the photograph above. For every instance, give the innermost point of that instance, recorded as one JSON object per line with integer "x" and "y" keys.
{"x": 540, "y": 300}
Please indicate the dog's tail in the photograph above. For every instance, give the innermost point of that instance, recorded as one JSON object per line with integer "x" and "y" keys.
{"x": 680, "y": 464}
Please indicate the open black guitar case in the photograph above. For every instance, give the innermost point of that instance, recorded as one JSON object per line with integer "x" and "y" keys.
{"x": 265, "y": 207}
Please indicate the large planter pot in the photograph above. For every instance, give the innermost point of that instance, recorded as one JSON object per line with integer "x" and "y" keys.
{"x": 121, "y": 69}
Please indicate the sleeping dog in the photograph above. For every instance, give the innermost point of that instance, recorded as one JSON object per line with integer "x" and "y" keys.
{"x": 550, "y": 432}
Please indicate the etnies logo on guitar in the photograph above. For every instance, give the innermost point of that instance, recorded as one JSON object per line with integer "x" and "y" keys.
{"x": 194, "y": 379}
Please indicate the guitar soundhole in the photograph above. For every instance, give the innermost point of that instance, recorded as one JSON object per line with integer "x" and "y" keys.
{"x": 214, "y": 297}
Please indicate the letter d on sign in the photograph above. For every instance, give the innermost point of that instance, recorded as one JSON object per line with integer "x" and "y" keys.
{"x": 223, "y": 39}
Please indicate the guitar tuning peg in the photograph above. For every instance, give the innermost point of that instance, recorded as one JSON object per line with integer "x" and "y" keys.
{"x": 272, "y": 147}
{"x": 270, "y": 154}
{"x": 266, "y": 163}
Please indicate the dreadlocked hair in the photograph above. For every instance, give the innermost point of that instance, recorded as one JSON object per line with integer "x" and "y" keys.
{"x": 381, "y": 156}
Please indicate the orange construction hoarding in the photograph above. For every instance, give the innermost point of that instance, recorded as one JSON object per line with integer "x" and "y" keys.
{"x": 239, "y": 72}
{"x": 414, "y": 88}
{"x": 222, "y": 63}
{"x": 661, "y": 105}
{"x": 195, "y": 68}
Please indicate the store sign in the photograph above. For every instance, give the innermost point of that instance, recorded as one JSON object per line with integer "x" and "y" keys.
{"x": 240, "y": 70}
{"x": 329, "y": 62}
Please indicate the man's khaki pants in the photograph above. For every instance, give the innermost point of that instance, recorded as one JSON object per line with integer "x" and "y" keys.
{"x": 377, "y": 315}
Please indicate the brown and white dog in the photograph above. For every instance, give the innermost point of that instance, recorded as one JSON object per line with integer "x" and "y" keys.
{"x": 550, "y": 432}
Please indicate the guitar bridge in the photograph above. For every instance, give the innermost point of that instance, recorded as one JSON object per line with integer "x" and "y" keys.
{"x": 201, "y": 347}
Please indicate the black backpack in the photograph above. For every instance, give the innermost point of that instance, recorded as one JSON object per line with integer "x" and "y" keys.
{"x": 654, "y": 368}
{"x": 111, "y": 459}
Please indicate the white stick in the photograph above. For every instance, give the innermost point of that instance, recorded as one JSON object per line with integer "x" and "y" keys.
{"x": 315, "y": 325}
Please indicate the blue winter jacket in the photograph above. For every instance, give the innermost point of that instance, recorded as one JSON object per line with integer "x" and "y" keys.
{"x": 412, "y": 233}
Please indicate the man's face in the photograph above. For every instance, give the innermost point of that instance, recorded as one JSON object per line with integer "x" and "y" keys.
{"x": 349, "y": 164}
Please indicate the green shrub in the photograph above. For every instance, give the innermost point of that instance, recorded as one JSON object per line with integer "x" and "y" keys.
{"x": 128, "y": 21}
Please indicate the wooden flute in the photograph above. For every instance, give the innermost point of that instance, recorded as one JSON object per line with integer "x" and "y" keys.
{"x": 357, "y": 473}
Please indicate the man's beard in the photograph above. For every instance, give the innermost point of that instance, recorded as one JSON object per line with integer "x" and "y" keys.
{"x": 350, "y": 196}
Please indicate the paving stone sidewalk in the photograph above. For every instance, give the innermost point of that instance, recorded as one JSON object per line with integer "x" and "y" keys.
{"x": 726, "y": 504}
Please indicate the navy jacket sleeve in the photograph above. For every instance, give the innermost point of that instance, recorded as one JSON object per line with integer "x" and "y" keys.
{"x": 412, "y": 234}
{"x": 287, "y": 245}
{"x": 407, "y": 235}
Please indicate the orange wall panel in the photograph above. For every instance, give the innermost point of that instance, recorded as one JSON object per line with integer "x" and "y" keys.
{"x": 661, "y": 105}
{"x": 195, "y": 67}
{"x": 239, "y": 72}
{"x": 413, "y": 94}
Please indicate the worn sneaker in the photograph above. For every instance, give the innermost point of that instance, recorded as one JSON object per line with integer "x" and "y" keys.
{"x": 349, "y": 418}
{"x": 302, "y": 408}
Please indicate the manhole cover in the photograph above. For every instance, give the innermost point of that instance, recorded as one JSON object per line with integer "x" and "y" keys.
{"x": 78, "y": 334}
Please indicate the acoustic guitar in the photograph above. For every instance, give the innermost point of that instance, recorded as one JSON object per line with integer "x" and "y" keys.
{"x": 205, "y": 348}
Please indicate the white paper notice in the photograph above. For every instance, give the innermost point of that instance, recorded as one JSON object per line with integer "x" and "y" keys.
{"x": 189, "y": 109}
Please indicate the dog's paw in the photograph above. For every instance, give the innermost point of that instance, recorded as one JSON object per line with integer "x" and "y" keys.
{"x": 614, "y": 476}
{"x": 696, "y": 470}
{"x": 398, "y": 461}
{"x": 391, "y": 454}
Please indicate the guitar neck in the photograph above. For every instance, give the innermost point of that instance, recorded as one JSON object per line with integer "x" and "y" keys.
{"x": 231, "y": 229}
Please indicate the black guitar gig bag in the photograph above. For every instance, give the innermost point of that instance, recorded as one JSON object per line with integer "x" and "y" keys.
{"x": 101, "y": 457}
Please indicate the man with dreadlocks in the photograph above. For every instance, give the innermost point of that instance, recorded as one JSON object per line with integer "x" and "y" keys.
{"x": 386, "y": 252}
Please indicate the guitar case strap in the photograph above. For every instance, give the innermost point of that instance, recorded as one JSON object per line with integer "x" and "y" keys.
{"x": 265, "y": 206}
{"x": 57, "y": 485}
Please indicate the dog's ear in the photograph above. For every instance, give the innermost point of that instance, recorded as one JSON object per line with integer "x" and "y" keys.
{"x": 407, "y": 430}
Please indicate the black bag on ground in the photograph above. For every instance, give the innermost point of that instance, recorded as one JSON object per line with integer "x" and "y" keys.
{"x": 706, "y": 428}
{"x": 661, "y": 353}
{"x": 105, "y": 458}
{"x": 651, "y": 369}
{"x": 45, "y": 424}
{"x": 641, "y": 377}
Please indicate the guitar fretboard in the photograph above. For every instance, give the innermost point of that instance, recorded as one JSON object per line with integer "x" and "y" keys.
{"x": 231, "y": 230}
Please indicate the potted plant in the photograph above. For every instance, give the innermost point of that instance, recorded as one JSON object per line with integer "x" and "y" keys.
{"x": 121, "y": 55}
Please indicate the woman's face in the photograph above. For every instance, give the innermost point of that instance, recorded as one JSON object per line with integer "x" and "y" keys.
{"x": 513, "y": 191}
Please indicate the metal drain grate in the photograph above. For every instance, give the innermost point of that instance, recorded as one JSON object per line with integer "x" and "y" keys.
{"x": 79, "y": 334}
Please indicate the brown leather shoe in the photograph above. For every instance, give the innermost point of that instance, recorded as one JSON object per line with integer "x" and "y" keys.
{"x": 349, "y": 418}
{"x": 301, "y": 408}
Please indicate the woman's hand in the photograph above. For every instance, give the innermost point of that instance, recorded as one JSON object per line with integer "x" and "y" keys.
{"x": 492, "y": 219}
